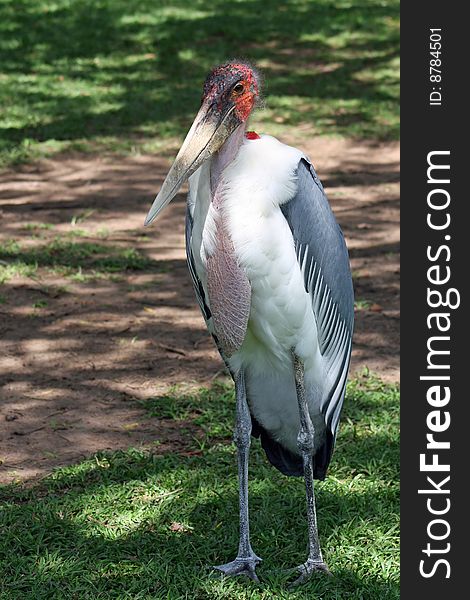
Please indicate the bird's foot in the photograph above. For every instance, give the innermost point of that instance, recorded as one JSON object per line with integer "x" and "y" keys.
{"x": 307, "y": 568}
{"x": 242, "y": 565}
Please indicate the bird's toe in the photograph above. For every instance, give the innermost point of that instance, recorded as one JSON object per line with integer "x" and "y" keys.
{"x": 241, "y": 566}
{"x": 306, "y": 570}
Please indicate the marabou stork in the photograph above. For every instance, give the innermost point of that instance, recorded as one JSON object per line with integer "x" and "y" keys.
{"x": 271, "y": 274}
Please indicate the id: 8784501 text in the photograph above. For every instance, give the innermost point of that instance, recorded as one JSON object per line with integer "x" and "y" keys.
{"x": 435, "y": 67}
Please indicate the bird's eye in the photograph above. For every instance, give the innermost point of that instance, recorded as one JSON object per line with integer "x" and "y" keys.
{"x": 239, "y": 88}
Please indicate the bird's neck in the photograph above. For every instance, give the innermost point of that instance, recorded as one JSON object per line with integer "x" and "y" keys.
{"x": 226, "y": 155}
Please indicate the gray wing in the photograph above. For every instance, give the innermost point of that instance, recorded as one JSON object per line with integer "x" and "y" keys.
{"x": 198, "y": 287}
{"x": 323, "y": 258}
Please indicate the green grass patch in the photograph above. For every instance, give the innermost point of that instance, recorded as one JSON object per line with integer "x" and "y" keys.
{"x": 136, "y": 524}
{"x": 35, "y": 227}
{"x": 40, "y": 304}
{"x": 16, "y": 268}
{"x": 63, "y": 255}
{"x": 126, "y": 75}
{"x": 362, "y": 304}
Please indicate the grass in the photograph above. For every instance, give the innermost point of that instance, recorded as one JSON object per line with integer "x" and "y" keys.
{"x": 139, "y": 524}
{"x": 362, "y": 304}
{"x": 63, "y": 255}
{"x": 126, "y": 75}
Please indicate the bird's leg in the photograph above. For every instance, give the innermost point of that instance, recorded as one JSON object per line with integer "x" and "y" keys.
{"x": 246, "y": 560}
{"x": 305, "y": 441}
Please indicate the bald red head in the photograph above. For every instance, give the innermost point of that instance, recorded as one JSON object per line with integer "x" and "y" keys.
{"x": 233, "y": 82}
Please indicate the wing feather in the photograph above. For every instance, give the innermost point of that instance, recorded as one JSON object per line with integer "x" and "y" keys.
{"x": 323, "y": 259}
{"x": 197, "y": 283}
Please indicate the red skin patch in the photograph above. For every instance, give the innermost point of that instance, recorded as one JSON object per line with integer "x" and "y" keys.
{"x": 246, "y": 101}
{"x": 252, "y": 135}
{"x": 244, "y": 105}
{"x": 217, "y": 81}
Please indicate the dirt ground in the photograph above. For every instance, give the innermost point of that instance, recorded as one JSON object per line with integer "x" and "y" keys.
{"x": 76, "y": 358}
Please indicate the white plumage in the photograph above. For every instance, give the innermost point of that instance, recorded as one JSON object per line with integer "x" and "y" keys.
{"x": 254, "y": 186}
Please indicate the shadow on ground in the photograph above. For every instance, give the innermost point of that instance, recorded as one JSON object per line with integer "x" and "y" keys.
{"x": 99, "y": 313}
{"x": 152, "y": 523}
{"x": 91, "y": 69}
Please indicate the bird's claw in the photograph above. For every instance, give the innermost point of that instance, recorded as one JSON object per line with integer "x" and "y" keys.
{"x": 307, "y": 568}
{"x": 241, "y": 566}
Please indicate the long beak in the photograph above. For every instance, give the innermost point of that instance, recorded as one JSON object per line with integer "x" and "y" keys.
{"x": 208, "y": 132}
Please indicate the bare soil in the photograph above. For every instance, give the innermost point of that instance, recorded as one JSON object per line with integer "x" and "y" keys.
{"x": 77, "y": 357}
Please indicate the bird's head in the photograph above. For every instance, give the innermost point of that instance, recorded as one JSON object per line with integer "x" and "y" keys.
{"x": 232, "y": 88}
{"x": 230, "y": 93}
